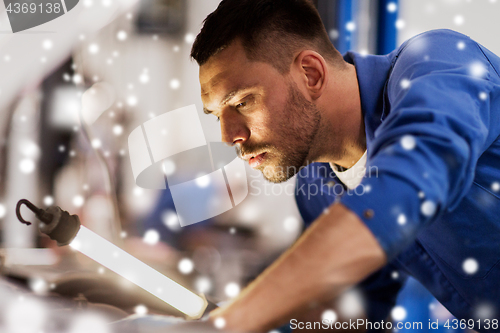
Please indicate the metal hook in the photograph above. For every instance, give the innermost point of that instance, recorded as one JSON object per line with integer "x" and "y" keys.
{"x": 31, "y": 206}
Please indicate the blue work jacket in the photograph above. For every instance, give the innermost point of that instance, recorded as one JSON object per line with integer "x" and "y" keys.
{"x": 431, "y": 193}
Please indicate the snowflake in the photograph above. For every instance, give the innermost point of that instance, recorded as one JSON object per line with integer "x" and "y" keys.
{"x": 93, "y": 48}
{"x": 151, "y": 237}
{"x": 470, "y": 266}
{"x": 232, "y": 289}
{"x": 428, "y": 208}
{"x": 458, "y": 20}
{"x": 185, "y": 266}
{"x": 398, "y": 313}
{"x": 329, "y": 316}
{"x": 408, "y": 142}
{"x": 121, "y": 35}
{"x": 392, "y": 7}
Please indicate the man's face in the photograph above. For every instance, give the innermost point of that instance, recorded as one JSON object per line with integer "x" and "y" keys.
{"x": 262, "y": 112}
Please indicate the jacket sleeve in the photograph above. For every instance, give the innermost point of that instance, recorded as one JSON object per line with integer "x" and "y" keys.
{"x": 422, "y": 159}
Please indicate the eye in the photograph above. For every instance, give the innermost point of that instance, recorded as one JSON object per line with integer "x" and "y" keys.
{"x": 240, "y": 105}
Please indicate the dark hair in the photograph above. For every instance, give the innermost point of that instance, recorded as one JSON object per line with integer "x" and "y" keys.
{"x": 270, "y": 31}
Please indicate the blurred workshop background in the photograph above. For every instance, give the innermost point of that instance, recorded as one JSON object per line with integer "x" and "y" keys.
{"x": 71, "y": 92}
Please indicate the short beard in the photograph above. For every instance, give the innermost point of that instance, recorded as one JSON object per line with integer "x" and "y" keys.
{"x": 295, "y": 135}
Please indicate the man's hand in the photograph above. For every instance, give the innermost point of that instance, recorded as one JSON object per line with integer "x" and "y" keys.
{"x": 336, "y": 252}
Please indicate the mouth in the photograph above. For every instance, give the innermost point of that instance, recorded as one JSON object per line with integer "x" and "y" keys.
{"x": 257, "y": 160}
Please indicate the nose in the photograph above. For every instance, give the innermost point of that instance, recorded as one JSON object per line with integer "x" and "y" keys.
{"x": 233, "y": 129}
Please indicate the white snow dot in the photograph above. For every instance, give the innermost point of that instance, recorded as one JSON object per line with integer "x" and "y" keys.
{"x": 291, "y": 224}
{"x": 392, "y": 7}
{"x": 398, "y": 313}
{"x": 106, "y": 3}
{"x": 78, "y": 201}
{"x": 220, "y": 323}
{"x": 48, "y": 200}
{"x": 132, "y": 100}
{"x": 185, "y": 266}
{"x": 400, "y": 24}
{"x": 333, "y": 34}
{"x": 408, "y": 142}
{"x": 470, "y": 266}
{"x": 460, "y": 45}
{"x": 77, "y": 79}
{"x": 350, "y": 26}
{"x": 121, "y": 35}
{"x": 203, "y": 284}
{"x": 477, "y": 69}
{"x": 27, "y": 165}
{"x": 170, "y": 220}
{"x": 176, "y": 48}
{"x": 232, "y": 230}
{"x": 144, "y": 78}
{"x": 117, "y": 130}
{"x": 401, "y": 219}
{"x": 66, "y": 77}
{"x": 6, "y": 58}
{"x": 96, "y": 143}
{"x": 138, "y": 191}
{"x": 483, "y": 96}
{"x": 88, "y": 3}
{"x": 3, "y": 211}
{"x": 168, "y": 167}
{"x": 421, "y": 195}
{"x": 203, "y": 181}
{"x": 428, "y": 208}
{"x": 495, "y": 186}
{"x": 141, "y": 310}
{"x": 405, "y": 83}
{"x": 189, "y": 38}
{"x": 329, "y": 316}
{"x": 458, "y": 20}
{"x": 101, "y": 270}
{"x": 232, "y": 289}
{"x": 93, "y": 48}
{"x": 47, "y": 44}
{"x": 395, "y": 275}
{"x": 123, "y": 234}
{"x": 155, "y": 37}
{"x": 38, "y": 286}
{"x": 151, "y": 237}
{"x": 129, "y": 16}
{"x": 175, "y": 84}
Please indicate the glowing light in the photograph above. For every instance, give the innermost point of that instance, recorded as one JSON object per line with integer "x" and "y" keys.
{"x": 3, "y": 211}
{"x": 470, "y": 266}
{"x": 78, "y": 201}
{"x": 477, "y": 69}
{"x": 189, "y": 38}
{"x": 141, "y": 310}
{"x": 408, "y": 142}
{"x": 495, "y": 187}
{"x": 405, "y": 83}
{"x": 483, "y": 96}
{"x": 428, "y": 208}
{"x": 350, "y": 26}
{"x": 94, "y": 48}
{"x": 47, "y": 44}
{"x": 398, "y": 313}
{"x": 175, "y": 84}
{"x": 151, "y": 237}
{"x": 77, "y": 79}
{"x": 132, "y": 100}
{"x": 392, "y": 7}
{"x": 351, "y": 304}
{"x": 329, "y": 316}
{"x": 171, "y": 220}
{"x": 458, "y": 20}
{"x": 38, "y": 286}
{"x": 144, "y": 78}
{"x": 203, "y": 284}
{"x": 421, "y": 195}
{"x": 168, "y": 167}
{"x": 134, "y": 270}
{"x": 27, "y": 165}
{"x": 117, "y": 130}
{"x": 123, "y": 234}
{"x": 185, "y": 266}
{"x": 401, "y": 219}
{"x": 232, "y": 289}
{"x": 460, "y": 45}
{"x": 101, "y": 270}
{"x": 203, "y": 181}
{"x": 96, "y": 143}
{"x": 291, "y": 224}
{"x": 395, "y": 275}
{"x": 400, "y": 24}
{"x": 220, "y": 323}
{"x": 121, "y": 35}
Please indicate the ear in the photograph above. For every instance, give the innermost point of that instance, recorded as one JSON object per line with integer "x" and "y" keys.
{"x": 312, "y": 73}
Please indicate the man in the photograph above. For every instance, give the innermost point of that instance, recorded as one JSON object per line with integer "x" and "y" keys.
{"x": 424, "y": 120}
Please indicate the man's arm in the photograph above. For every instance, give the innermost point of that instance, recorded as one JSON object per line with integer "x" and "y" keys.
{"x": 336, "y": 252}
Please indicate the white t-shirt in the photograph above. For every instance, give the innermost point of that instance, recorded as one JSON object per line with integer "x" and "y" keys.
{"x": 353, "y": 176}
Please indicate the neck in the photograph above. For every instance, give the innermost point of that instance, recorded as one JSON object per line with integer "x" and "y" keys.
{"x": 341, "y": 137}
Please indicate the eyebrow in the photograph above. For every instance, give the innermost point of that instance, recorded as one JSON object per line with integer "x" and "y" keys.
{"x": 226, "y": 98}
